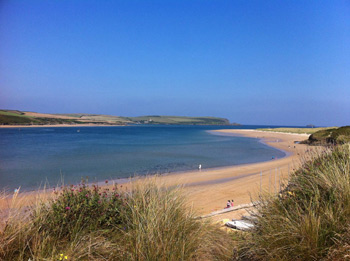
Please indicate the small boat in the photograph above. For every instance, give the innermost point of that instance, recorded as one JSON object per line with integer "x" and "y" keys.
{"x": 240, "y": 225}
{"x": 78, "y": 130}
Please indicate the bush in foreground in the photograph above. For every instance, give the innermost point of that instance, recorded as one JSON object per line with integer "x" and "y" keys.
{"x": 80, "y": 209}
{"x": 310, "y": 219}
{"x": 79, "y": 221}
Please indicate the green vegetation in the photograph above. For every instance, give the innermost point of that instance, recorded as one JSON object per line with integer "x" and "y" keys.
{"x": 296, "y": 130}
{"x": 309, "y": 219}
{"x": 90, "y": 223}
{"x": 25, "y": 120}
{"x": 8, "y": 117}
{"x": 11, "y": 113}
{"x": 330, "y": 136}
{"x": 14, "y": 120}
{"x": 80, "y": 209}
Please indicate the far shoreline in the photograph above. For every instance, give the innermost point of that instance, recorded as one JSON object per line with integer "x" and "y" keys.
{"x": 100, "y": 125}
{"x": 60, "y": 125}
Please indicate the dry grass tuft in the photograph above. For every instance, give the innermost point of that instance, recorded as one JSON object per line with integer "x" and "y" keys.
{"x": 310, "y": 219}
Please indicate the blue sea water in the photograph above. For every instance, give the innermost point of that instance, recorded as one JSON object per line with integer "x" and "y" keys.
{"x": 30, "y": 157}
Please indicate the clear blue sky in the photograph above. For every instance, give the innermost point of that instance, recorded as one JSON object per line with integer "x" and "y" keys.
{"x": 253, "y": 62}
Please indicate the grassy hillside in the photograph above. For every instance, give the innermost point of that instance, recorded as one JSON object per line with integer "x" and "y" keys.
{"x": 11, "y": 117}
{"x": 154, "y": 119}
{"x": 330, "y": 136}
{"x": 20, "y": 118}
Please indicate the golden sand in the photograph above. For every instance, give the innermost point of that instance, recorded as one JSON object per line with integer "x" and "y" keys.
{"x": 209, "y": 190}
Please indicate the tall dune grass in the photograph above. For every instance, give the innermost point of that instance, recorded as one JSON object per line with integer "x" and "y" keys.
{"x": 150, "y": 222}
{"x": 162, "y": 227}
{"x": 310, "y": 218}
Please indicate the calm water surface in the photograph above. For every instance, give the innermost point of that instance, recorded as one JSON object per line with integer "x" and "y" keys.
{"x": 30, "y": 157}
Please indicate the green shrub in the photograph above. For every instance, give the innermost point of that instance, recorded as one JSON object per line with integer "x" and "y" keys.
{"x": 81, "y": 208}
{"x": 331, "y": 136}
{"x": 80, "y": 221}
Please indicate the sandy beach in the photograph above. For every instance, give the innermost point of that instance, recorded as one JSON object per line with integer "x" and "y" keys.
{"x": 209, "y": 189}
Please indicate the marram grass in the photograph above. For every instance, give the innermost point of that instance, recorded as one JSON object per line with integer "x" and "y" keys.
{"x": 310, "y": 218}
{"x": 162, "y": 227}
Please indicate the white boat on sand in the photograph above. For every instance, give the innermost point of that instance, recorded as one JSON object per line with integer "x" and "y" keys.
{"x": 240, "y": 225}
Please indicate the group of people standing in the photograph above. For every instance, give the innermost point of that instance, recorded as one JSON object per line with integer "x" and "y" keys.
{"x": 229, "y": 203}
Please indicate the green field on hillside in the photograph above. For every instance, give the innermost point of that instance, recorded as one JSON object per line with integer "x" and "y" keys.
{"x": 12, "y": 117}
{"x": 11, "y": 113}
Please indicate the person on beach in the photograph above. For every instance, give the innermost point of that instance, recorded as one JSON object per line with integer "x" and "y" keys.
{"x": 228, "y": 205}
{"x": 200, "y": 167}
{"x": 232, "y": 202}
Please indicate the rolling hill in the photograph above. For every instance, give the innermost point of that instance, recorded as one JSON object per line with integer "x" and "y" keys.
{"x": 16, "y": 117}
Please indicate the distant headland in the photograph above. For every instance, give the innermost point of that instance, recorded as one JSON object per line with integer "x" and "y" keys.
{"x": 15, "y": 118}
